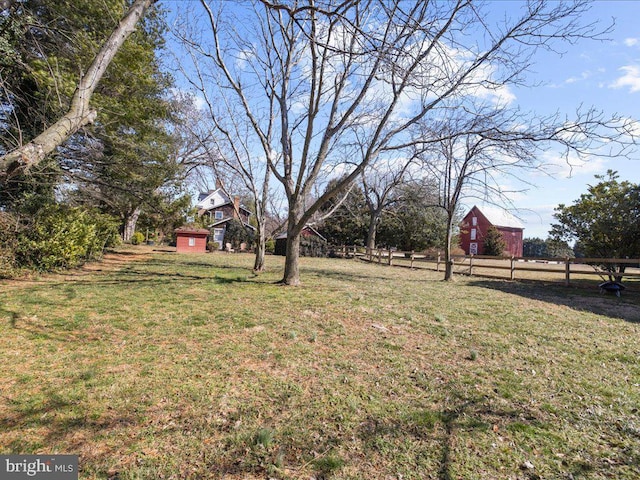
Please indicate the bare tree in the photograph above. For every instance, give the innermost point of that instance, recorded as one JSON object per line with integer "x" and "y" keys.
{"x": 380, "y": 182}
{"x": 228, "y": 135}
{"x": 316, "y": 77}
{"x": 80, "y": 113}
{"x": 478, "y": 151}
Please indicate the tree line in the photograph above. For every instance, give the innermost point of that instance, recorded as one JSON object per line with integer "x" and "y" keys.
{"x": 121, "y": 166}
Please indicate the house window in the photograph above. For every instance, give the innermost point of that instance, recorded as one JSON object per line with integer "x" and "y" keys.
{"x": 192, "y": 241}
{"x": 474, "y": 221}
{"x": 473, "y": 234}
{"x": 218, "y": 215}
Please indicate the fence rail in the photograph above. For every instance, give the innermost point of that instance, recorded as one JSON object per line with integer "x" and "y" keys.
{"x": 514, "y": 267}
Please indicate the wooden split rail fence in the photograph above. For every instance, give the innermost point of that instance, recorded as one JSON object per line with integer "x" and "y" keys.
{"x": 506, "y": 267}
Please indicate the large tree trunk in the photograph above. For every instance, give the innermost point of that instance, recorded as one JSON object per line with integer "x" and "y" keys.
{"x": 371, "y": 235}
{"x": 294, "y": 231}
{"x": 372, "y": 231}
{"x": 291, "y": 263}
{"x": 79, "y": 114}
{"x": 261, "y": 247}
{"x": 130, "y": 223}
{"x": 448, "y": 265}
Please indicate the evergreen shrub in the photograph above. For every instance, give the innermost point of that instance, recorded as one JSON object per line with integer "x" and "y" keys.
{"x": 59, "y": 236}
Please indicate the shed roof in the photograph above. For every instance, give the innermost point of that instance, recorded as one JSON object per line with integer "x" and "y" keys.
{"x": 196, "y": 231}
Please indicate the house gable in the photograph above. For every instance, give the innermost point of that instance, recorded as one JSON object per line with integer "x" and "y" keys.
{"x": 212, "y": 200}
{"x": 219, "y": 206}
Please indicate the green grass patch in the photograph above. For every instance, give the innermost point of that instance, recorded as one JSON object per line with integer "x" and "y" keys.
{"x": 193, "y": 367}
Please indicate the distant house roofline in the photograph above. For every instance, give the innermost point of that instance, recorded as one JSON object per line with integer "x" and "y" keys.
{"x": 284, "y": 235}
{"x": 225, "y": 220}
{"x": 204, "y": 202}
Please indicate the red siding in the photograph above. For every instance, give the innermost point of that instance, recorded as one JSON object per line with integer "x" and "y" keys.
{"x": 511, "y": 235}
{"x": 191, "y": 241}
{"x": 513, "y": 238}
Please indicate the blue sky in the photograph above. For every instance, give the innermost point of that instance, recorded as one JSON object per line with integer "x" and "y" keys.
{"x": 605, "y": 75}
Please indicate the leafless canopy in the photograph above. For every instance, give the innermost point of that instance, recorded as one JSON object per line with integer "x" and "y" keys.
{"x": 333, "y": 86}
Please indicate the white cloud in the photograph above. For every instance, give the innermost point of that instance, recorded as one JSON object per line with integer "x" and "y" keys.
{"x": 631, "y": 78}
{"x": 558, "y": 166}
{"x": 631, "y": 42}
{"x": 243, "y": 59}
{"x": 583, "y": 76}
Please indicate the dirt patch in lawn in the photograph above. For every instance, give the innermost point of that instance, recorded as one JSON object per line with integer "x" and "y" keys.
{"x": 111, "y": 261}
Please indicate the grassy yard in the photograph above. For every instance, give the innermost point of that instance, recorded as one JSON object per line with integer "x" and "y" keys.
{"x": 177, "y": 366}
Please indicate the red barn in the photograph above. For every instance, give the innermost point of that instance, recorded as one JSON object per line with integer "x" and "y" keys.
{"x": 191, "y": 240}
{"x": 475, "y": 224}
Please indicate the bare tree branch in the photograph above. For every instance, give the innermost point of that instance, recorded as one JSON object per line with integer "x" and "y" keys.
{"x": 80, "y": 113}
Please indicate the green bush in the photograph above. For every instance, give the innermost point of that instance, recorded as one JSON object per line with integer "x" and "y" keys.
{"x": 137, "y": 238}
{"x": 62, "y": 237}
{"x": 8, "y": 240}
{"x": 213, "y": 246}
{"x": 270, "y": 245}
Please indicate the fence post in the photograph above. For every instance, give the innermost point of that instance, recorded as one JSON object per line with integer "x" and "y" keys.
{"x": 379, "y": 255}
{"x": 470, "y": 265}
{"x": 513, "y": 268}
{"x": 390, "y": 257}
{"x": 413, "y": 253}
{"x": 438, "y": 263}
{"x": 567, "y": 271}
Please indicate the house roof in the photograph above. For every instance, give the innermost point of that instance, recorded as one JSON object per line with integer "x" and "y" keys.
{"x": 215, "y": 199}
{"x": 212, "y": 199}
{"x": 225, "y": 220}
{"x": 499, "y": 217}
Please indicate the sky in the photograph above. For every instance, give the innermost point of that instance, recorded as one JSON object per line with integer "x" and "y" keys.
{"x": 605, "y": 75}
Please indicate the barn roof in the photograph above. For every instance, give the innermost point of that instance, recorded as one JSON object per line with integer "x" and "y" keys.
{"x": 500, "y": 217}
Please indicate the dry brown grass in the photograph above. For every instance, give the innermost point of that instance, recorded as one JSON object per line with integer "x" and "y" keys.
{"x": 192, "y": 367}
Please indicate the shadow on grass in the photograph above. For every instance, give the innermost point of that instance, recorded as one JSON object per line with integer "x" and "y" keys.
{"x": 451, "y": 427}
{"x": 60, "y": 419}
{"x": 150, "y": 278}
{"x": 463, "y": 415}
{"x": 343, "y": 275}
{"x": 582, "y": 297}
